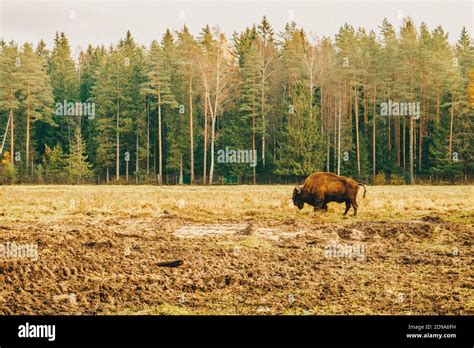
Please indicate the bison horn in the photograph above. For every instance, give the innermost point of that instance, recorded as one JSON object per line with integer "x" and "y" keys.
{"x": 298, "y": 189}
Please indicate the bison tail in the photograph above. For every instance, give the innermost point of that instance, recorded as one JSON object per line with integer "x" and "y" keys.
{"x": 365, "y": 190}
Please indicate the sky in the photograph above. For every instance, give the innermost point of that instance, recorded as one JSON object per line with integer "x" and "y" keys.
{"x": 106, "y": 21}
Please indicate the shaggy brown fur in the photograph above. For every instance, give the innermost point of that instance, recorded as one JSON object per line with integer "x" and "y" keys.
{"x": 321, "y": 188}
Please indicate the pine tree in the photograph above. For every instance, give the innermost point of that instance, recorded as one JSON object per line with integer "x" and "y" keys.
{"x": 104, "y": 96}
{"x": 249, "y": 106}
{"x": 306, "y": 104}
{"x": 117, "y": 97}
{"x": 158, "y": 85}
{"x": 464, "y": 62}
{"x": 133, "y": 116}
{"x": 91, "y": 62}
{"x": 54, "y": 163}
{"x": 300, "y": 134}
{"x": 187, "y": 73}
{"x": 266, "y": 62}
{"x": 77, "y": 165}
{"x": 409, "y": 53}
{"x": 390, "y": 84}
{"x": 65, "y": 84}
{"x": 35, "y": 93}
{"x": 9, "y": 85}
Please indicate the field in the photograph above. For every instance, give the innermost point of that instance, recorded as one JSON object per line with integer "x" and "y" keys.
{"x": 244, "y": 250}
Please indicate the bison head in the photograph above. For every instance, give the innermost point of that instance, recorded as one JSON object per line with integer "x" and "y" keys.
{"x": 297, "y": 199}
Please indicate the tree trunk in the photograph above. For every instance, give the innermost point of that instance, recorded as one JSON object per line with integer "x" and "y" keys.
{"x": 136, "y": 159}
{"x": 366, "y": 106}
{"x": 415, "y": 143}
{"x": 204, "y": 176}
{"x": 356, "y": 107}
{"x": 263, "y": 120}
{"x": 147, "y": 106}
{"x": 411, "y": 134}
{"x": 6, "y": 133}
{"x": 211, "y": 169}
{"x": 28, "y": 129}
{"x": 12, "y": 126}
{"x": 155, "y": 147}
{"x": 420, "y": 135}
{"x": 12, "y": 137}
{"x": 404, "y": 145}
{"x": 328, "y": 148}
{"x": 191, "y": 136}
{"x": 451, "y": 123}
{"x": 213, "y": 118}
{"x": 374, "y": 168}
{"x": 327, "y": 121}
{"x": 437, "y": 105}
{"x": 213, "y": 127}
{"x": 339, "y": 139}
{"x": 389, "y": 138}
{"x": 396, "y": 135}
{"x": 253, "y": 137}
{"x": 335, "y": 134}
{"x": 181, "y": 170}
{"x": 420, "y": 142}
{"x": 126, "y": 171}
{"x": 412, "y": 125}
{"x": 117, "y": 164}
{"x": 397, "y": 139}
{"x": 160, "y": 150}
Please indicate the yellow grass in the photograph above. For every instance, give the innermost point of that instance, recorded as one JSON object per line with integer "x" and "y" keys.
{"x": 228, "y": 203}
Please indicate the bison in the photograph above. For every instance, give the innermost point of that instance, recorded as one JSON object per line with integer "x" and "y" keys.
{"x": 321, "y": 188}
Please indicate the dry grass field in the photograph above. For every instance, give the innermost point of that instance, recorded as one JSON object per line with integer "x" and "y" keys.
{"x": 244, "y": 250}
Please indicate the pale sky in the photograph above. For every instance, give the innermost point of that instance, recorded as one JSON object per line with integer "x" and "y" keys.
{"x": 106, "y": 21}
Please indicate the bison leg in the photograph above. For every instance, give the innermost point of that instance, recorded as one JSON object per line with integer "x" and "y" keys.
{"x": 354, "y": 206}
{"x": 348, "y": 206}
{"x": 322, "y": 206}
{"x": 318, "y": 202}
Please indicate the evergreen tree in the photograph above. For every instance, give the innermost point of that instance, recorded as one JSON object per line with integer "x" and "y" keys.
{"x": 187, "y": 77}
{"x": 54, "y": 163}
{"x": 34, "y": 93}
{"x": 158, "y": 85}
{"x": 9, "y": 85}
{"x": 299, "y": 135}
{"x": 302, "y": 103}
{"x": 77, "y": 165}
{"x": 65, "y": 86}
{"x": 249, "y": 106}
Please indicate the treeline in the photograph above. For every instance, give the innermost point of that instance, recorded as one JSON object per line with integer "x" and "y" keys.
{"x": 395, "y": 104}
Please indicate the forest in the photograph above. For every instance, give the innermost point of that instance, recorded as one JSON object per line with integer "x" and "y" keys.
{"x": 396, "y": 106}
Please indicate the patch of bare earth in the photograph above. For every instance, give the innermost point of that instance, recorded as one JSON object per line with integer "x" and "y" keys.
{"x": 112, "y": 265}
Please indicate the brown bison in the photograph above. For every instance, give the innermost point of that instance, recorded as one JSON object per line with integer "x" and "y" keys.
{"x": 321, "y": 188}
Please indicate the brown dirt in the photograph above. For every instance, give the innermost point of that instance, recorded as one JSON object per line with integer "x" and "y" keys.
{"x": 110, "y": 265}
